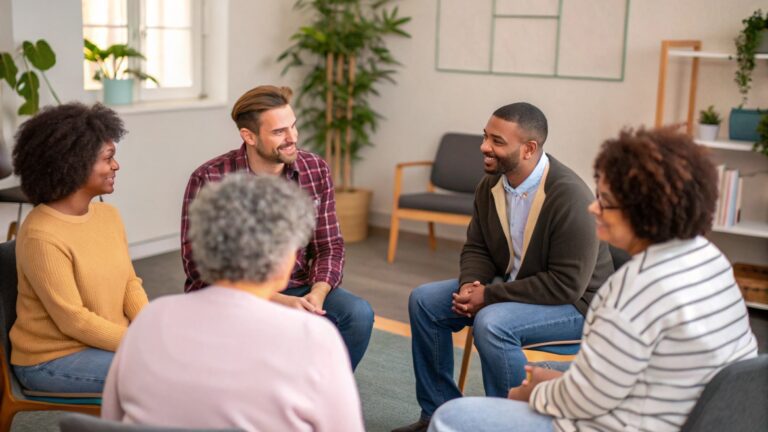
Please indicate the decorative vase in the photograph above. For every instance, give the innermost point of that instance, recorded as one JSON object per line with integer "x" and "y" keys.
{"x": 742, "y": 124}
{"x": 118, "y": 91}
{"x": 708, "y": 132}
{"x": 352, "y": 212}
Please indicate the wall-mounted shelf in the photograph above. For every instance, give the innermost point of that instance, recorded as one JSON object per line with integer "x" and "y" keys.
{"x": 757, "y": 305}
{"x": 710, "y": 55}
{"x": 727, "y": 145}
{"x": 746, "y": 228}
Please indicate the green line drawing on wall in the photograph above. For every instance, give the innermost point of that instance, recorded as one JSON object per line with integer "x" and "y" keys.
{"x": 568, "y": 39}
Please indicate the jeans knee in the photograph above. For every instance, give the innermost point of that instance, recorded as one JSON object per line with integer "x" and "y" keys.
{"x": 361, "y": 312}
{"x": 487, "y": 329}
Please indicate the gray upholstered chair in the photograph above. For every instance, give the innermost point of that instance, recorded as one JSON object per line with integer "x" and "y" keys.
{"x": 735, "y": 400}
{"x": 14, "y": 398}
{"x": 84, "y": 423}
{"x": 12, "y": 195}
{"x": 456, "y": 170}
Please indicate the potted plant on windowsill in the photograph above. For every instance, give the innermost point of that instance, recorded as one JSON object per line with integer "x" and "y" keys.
{"x": 752, "y": 39}
{"x": 345, "y": 46}
{"x": 709, "y": 124}
{"x": 113, "y": 72}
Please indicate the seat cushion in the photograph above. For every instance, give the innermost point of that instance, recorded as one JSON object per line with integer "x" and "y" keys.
{"x": 446, "y": 203}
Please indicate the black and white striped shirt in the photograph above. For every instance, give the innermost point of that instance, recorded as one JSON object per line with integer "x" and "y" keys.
{"x": 657, "y": 331}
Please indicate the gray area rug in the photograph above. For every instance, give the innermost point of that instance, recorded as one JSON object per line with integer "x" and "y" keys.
{"x": 384, "y": 377}
{"x": 387, "y": 384}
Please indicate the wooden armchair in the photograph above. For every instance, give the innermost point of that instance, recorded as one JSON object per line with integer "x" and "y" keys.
{"x": 456, "y": 170}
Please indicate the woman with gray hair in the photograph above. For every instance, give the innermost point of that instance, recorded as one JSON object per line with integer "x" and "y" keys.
{"x": 226, "y": 356}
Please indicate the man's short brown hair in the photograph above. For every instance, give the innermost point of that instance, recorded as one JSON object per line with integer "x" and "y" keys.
{"x": 248, "y": 108}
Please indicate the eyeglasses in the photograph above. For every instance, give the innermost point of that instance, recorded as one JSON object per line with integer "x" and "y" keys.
{"x": 604, "y": 206}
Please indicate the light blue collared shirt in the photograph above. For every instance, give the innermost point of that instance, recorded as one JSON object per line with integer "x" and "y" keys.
{"x": 518, "y": 202}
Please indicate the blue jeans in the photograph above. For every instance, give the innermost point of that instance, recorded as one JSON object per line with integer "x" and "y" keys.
{"x": 488, "y": 414}
{"x": 81, "y": 372}
{"x": 500, "y": 330}
{"x": 352, "y": 315}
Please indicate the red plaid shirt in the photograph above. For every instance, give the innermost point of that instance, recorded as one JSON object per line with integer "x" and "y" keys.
{"x": 322, "y": 260}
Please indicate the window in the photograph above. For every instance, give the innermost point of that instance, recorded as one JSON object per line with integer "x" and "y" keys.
{"x": 167, "y": 32}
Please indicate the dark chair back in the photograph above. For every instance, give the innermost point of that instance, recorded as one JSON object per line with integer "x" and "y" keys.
{"x": 86, "y": 423}
{"x": 8, "y": 292}
{"x": 458, "y": 165}
{"x": 735, "y": 400}
{"x": 619, "y": 257}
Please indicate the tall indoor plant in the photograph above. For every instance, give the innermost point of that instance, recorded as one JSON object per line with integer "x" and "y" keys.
{"x": 113, "y": 72}
{"x": 345, "y": 48}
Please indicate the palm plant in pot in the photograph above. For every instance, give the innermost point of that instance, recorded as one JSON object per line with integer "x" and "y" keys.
{"x": 114, "y": 72}
{"x": 752, "y": 39}
{"x": 344, "y": 47}
{"x": 709, "y": 124}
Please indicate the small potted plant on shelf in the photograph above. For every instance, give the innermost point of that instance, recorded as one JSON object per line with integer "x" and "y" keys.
{"x": 113, "y": 72}
{"x": 752, "y": 39}
{"x": 709, "y": 124}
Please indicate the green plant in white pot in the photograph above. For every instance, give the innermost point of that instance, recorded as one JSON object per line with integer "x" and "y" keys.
{"x": 113, "y": 71}
{"x": 709, "y": 124}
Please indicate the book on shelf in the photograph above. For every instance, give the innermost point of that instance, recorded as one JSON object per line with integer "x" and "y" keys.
{"x": 728, "y": 207}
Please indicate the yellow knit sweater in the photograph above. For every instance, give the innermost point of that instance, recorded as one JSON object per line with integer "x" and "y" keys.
{"x": 77, "y": 286}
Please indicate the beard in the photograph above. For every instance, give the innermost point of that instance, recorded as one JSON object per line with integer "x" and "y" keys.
{"x": 504, "y": 165}
{"x": 275, "y": 156}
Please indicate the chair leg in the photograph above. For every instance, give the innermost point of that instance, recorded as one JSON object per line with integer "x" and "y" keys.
{"x": 465, "y": 359}
{"x": 394, "y": 226}
{"x": 6, "y": 416}
{"x": 12, "y": 229}
{"x": 432, "y": 239}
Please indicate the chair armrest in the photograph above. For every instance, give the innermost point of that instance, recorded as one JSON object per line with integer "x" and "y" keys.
{"x": 399, "y": 178}
{"x": 413, "y": 163}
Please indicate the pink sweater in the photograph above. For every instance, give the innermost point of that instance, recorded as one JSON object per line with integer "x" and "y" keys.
{"x": 221, "y": 358}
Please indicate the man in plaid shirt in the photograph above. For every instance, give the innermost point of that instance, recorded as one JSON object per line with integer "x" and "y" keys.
{"x": 267, "y": 126}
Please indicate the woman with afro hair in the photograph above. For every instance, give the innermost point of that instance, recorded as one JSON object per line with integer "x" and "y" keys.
{"x": 77, "y": 288}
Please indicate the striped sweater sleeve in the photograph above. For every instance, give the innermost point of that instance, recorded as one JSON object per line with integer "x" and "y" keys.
{"x": 611, "y": 360}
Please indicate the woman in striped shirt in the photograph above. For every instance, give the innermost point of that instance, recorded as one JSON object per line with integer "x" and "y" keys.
{"x": 660, "y": 328}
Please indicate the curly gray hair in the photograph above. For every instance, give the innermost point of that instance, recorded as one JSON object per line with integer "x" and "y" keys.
{"x": 242, "y": 227}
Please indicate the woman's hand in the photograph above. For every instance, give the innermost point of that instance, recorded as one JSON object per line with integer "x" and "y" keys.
{"x": 534, "y": 376}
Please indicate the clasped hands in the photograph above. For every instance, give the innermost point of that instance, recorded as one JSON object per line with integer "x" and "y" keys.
{"x": 469, "y": 300}
{"x": 534, "y": 376}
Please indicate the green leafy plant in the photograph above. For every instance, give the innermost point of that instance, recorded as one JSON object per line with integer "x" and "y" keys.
{"x": 110, "y": 62}
{"x": 746, "y": 46}
{"x": 37, "y": 56}
{"x": 709, "y": 116}
{"x": 345, "y": 48}
{"x": 761, "y": 146}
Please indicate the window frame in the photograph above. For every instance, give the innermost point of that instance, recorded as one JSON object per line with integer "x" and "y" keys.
{"x": 136, "y": 33}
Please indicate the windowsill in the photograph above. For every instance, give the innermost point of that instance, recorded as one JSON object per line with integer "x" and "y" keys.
{"x": 168, "y": 105}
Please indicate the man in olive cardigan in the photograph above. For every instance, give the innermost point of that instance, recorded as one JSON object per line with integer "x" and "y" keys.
{"x": 529, "y": 268}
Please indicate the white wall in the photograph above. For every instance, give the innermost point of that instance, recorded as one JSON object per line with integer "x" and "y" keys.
{"x": 426, "y": 103}
{"x": 162, "y": 148}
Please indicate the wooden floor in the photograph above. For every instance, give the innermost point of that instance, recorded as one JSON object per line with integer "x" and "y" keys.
{"x": 368, "y": 275}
